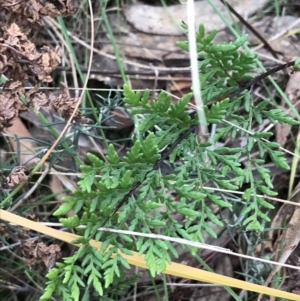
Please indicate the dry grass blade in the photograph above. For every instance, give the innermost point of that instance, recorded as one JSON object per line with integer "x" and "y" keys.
{"x": 175, "y": 269}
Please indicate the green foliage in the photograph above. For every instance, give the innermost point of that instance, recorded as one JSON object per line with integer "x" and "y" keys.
{"x": 148, "y": 205}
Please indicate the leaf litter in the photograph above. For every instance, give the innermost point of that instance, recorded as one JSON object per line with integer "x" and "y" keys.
{"x": 22, "y": 65}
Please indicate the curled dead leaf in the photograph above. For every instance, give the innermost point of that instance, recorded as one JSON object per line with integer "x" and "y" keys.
{"x": 10, "y": 107}
{"x": 40, "y": 100}
{"x": 17, "y": 176}
{"x": 33, "y": 251}
{"x": 46, "y": 63}
{"x": 65, "y": 105}
{"x": 62, "y": 103}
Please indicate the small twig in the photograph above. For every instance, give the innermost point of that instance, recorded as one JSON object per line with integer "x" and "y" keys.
{"x": 13, "y": 49}
{"x": 261, "y": 77}
{"x": 184, "y": 70}
{"x": 252, "y": 29}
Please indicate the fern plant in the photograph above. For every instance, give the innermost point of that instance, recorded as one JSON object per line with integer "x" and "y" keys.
{"x": 166, "y": 135}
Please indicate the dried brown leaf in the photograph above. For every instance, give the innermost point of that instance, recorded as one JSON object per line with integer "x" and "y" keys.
{"x": 10, "y": 106}
{"x": 64, "y": 105}
{"x": 49, "y": 10}
{"x": 40, "y": 100}
{"x": 46, "y": 63}
{"x": 17, "y": 176}
{"x": 64, "y": 6}
{"x": 33, "y": 251}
